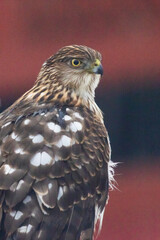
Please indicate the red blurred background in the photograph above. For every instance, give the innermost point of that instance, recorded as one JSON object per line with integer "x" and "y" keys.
{"x": 127, "y": 33}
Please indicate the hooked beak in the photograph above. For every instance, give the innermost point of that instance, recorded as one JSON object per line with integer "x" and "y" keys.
{"x": 97, "y": 67}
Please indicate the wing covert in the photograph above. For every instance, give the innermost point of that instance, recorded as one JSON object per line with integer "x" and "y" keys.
{"x": 54, "y": 159}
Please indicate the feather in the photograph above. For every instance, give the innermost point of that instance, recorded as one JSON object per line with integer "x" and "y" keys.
{"x": 55, "y": 163}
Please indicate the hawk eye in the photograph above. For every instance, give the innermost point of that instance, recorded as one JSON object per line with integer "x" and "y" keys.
{"x": 76, "y": 62}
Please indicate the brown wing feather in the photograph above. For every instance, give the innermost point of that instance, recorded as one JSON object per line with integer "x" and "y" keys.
{"x": 53, "y": 169}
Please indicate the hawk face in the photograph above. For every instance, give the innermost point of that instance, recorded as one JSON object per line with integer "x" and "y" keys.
{"x": 77, "y": 68}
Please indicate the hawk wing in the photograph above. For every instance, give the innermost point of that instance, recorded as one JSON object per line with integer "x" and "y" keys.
{"x": 53, "y": 174}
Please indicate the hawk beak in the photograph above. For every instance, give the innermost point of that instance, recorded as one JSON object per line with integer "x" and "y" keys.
{"x": 97, "y": 67}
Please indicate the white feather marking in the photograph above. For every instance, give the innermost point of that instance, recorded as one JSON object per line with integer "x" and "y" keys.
{"x": 8, "y": 169}
{"x": 40, "y": 204}
{"x": 6, "y": 124}
{"x": 78, "y": 125}
{"x": 29, "y": 228}
{"x": 18, "y": 139}
{"x": 54, "y": 127}
{"x": 98, "y": 218}
{"x": 18, "y": 215}
{"x": 33, "y": 214}
{"x": 40, "y": 233}
{"x": 98, "y": 211}
{"x": 67, "y": 118}
{"x": 27, "y": 200}
{"x": 20, "y": 183}
{"x": 64, "y": 141}
{"x": 76, "y": 114}
{"x": 59, "y": 144}
{"x": 73, "y": 127}
{"x": 13, "y": 135}
{"x": 43, "y": 202}
{"x": 60, "y": 192}
{"x": 111, "y": 166}
{"x": 51, "y": 125}
{"x": 26, "y": 121}
{"x": 50, "y": 185}
{"x": 38, "y": 139}
{"x": 41, "y": 158}
{"x": 45, "y": 158}
{"x": 57, "y": 128}
{"x": 36, "y": 159}
{"x": 19, "y": 151}
{"x": 31, "y": 136}
{"x": 79, "y": 166}
{"x": 25, "y": 229}
{"x": 12, "y": 213}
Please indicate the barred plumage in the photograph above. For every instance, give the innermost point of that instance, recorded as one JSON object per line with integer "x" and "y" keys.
{"x": 55, "y": 153}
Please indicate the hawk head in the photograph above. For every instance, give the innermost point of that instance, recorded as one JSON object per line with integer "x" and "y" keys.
{"x": 76, "y": 67}
{"x": 68, "y": 78}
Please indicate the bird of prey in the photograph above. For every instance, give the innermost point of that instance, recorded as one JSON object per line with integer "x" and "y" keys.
{"x": 55, "y": 166}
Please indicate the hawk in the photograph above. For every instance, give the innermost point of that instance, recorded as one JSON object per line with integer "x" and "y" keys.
{"x": 55, "y": 166}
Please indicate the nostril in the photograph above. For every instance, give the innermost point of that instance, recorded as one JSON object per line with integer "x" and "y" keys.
{"x": 97, "y": 62}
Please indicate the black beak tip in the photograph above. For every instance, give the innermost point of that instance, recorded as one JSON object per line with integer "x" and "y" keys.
{"x": 100, "y": 70}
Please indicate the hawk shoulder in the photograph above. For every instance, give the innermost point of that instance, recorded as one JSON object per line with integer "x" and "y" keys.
{"x": 50, "y": 160}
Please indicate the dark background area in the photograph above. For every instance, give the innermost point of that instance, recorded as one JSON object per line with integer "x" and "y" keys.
{"x": 127, "y": 33}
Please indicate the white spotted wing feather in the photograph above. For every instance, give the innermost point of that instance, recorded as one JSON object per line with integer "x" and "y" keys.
{"x": 50, "y": 163}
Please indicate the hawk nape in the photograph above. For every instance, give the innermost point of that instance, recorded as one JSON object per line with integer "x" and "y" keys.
{"x": 55, "y": 167}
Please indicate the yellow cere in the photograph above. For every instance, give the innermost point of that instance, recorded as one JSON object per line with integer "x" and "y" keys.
{"x": 97, "y": 62}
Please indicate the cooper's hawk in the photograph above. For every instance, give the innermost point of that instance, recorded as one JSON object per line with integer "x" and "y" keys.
{"x": 55, "y": 167}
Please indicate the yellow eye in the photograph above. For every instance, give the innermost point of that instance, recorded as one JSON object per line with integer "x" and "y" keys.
{"x": 75, "y": 62}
